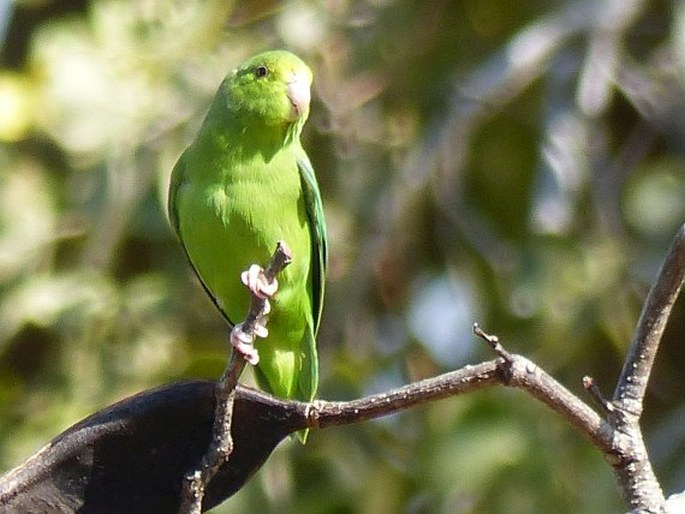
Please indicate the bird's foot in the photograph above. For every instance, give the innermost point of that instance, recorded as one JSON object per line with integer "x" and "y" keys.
{"x": 257, "y": 283}
{"x": 243, "y": 342}
{"x": 243, "y": 335}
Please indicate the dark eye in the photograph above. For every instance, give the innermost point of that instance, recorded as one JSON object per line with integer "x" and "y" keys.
{"x": 261, "y": 71}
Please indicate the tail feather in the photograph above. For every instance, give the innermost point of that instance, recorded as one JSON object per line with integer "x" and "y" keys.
{"x": 306, "y": 372}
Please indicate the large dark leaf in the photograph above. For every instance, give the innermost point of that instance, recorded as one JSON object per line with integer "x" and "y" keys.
{"x": 131, "y": 457}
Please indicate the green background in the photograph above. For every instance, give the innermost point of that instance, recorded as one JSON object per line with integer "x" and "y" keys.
{"x": 519, "y": 164}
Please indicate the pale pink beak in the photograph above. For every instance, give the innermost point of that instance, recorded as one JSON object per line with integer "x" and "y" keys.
{"x": 299, "y": 96}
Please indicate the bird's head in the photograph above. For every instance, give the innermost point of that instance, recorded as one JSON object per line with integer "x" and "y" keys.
{"x": 271, "y": 88}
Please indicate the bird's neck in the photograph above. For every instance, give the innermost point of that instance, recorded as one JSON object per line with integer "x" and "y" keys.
{"x": 233, "y": 131}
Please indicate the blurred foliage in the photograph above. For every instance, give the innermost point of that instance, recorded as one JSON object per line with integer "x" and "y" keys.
{"x": 518, "y": 166}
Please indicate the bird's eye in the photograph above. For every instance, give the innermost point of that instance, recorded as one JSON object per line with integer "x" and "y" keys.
{"x": 261, "y": 71}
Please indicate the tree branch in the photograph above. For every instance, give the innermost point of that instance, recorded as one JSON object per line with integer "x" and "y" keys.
{"x": 632, "y": 384}
{"x": 522, "y": 373}
{"x": 196, "y": 481}
{"x": 130, "y": 457}
{"x": 634, "y": 469}
{"x": 323, "y": 414}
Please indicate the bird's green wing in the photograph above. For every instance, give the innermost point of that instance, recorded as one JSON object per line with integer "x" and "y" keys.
{"x": 178, "y": 175}
{"x": 309, "y": 377}
{"x": 314, "y": 207}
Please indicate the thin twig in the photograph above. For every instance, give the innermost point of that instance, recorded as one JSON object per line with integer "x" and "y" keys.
{"x": 323, "y": 413}
{"x": 221, "y": 446}
{"x": 258, "y": 306}
{"x": 596, "y": 394}
{"x": 493, "y": 341}
{"x": 520, "y": 372}
{"x": 632, "y": 384}
{"x": 634, "y": 469}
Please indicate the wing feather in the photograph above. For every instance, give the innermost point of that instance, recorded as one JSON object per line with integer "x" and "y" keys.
{"x": 317, "y": 226}
{"x": 177, "y": 180}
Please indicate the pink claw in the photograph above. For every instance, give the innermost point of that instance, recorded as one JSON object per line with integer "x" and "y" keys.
{"x": 260, "y": 329}
{"x": 256, "y": 282}
{"x": 243, "y": 343}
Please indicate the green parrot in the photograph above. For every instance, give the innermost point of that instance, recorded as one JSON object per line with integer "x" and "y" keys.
{"x": 242, "y": 185}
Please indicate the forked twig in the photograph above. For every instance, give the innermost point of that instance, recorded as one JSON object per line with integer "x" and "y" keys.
{"x": 619, "y": 436}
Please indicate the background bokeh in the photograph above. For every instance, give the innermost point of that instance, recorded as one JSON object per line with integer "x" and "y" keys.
{"x": 517, "y": 164}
